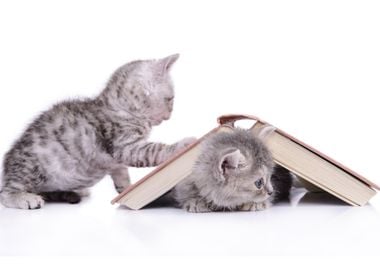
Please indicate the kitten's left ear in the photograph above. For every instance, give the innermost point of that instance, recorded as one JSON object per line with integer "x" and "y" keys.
{"x": 230, "y": 161}
{"x": 165, "y": 64}
{"x": 264, "y": 131}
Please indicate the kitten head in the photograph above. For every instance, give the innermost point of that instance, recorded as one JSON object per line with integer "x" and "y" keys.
{"x": 144, "y": 89}
{"x": 236, "y": 169}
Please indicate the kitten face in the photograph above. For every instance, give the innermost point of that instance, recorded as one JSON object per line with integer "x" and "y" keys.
{"x": 234, "y": 169}
{"x": 233, "y": 172}
{"x": 247, "y": 181}
{"x": 144, "y": 88}
{"x": 241, "y": 180}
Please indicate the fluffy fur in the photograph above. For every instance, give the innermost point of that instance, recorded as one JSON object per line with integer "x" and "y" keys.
{"x": 235, "y": 171}
{"x": 76, "y": 143}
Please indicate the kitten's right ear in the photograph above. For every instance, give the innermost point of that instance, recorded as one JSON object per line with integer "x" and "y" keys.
{"x": 169, "y": 61}
{"x": 230, "y": 161}
{"x": 165, "y": 64}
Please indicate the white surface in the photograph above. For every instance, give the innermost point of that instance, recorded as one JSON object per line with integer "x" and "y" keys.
{"x": 313, "y": 225}
{"x": 309, "y": 67}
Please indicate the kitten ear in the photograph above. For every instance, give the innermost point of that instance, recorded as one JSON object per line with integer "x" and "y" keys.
{"x": 230, "y": 160}
{"x": 264, "y": 131}
{"x": 165, "y": 64}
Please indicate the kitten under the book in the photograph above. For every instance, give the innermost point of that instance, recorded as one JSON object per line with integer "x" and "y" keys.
{"x": 76, "y": 143}
{"x": 234, "y": 172}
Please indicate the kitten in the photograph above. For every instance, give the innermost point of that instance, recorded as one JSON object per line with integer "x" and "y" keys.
{"x": 76, "y": 143}
{"x": 235, "y": 171}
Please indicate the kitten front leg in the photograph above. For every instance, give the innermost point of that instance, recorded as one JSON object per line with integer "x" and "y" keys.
{"x": 151, "y": 154}
{"x": 173, "y": 149}
{"x": 255, "y": 206}
{"x": 22, "y": 200}
{"x": 120, "y": 177}
{"x": 196, "y": 206}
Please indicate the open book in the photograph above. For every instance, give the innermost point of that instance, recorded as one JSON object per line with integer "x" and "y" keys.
{"x": 287, "y": 151}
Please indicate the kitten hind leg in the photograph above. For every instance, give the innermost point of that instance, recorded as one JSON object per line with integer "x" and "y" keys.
{"x": 62, "y": 196}
{"x": 120, "y": 177}
{"x": 22, "y": 200}
{"x": 84, "y": 192}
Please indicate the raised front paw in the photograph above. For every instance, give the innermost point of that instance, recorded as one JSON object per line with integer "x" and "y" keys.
{"x": 255, "y": 206}
{"x": 182, "y": 144}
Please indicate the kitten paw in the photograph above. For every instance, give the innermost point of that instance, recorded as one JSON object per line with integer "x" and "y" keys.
{"x": 262, "y": 205}
{"x": 22, "y": 200}
{"x": 196, "y": 207}
{"x": 254, "y": 206}
{"x": 184, "y": 143}
{"x": 120, "y": 177}
{"x": 33, "y": 202}
{"x": 120, "y": 189}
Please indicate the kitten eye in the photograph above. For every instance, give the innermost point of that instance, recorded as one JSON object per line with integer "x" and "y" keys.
{"x": 169, "y": 99}
{"x": 259, "y": 183}
{"x": 241, "y": 165}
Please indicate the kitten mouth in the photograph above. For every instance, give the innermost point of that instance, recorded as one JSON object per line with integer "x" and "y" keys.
{"x": 264, "y": 198}
{"x": 156, "y": 122}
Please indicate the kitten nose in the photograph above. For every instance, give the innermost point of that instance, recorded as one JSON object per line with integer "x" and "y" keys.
{"x": 166, "y": 116}
{"x": 270, "y": 193}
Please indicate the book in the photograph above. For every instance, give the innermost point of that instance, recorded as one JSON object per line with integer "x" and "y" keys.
{"x": 310, "y": 165}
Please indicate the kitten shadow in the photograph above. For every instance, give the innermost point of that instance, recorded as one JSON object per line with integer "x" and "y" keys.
{"x": 162, "y": 202}
{"x": 298, "y": 197}
{"x": 321, "y": 198}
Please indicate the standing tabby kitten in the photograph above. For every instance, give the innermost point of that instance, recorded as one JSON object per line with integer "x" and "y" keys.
{"x": 235, "y": 171}
{"x": 76, "y": 143}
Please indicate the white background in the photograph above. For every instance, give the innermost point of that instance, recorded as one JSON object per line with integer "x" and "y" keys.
{"x": 309, "y": 67}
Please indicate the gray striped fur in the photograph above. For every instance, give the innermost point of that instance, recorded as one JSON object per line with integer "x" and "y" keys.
{"x": 76, "y": 143}
{"x": 225, "y": 173}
